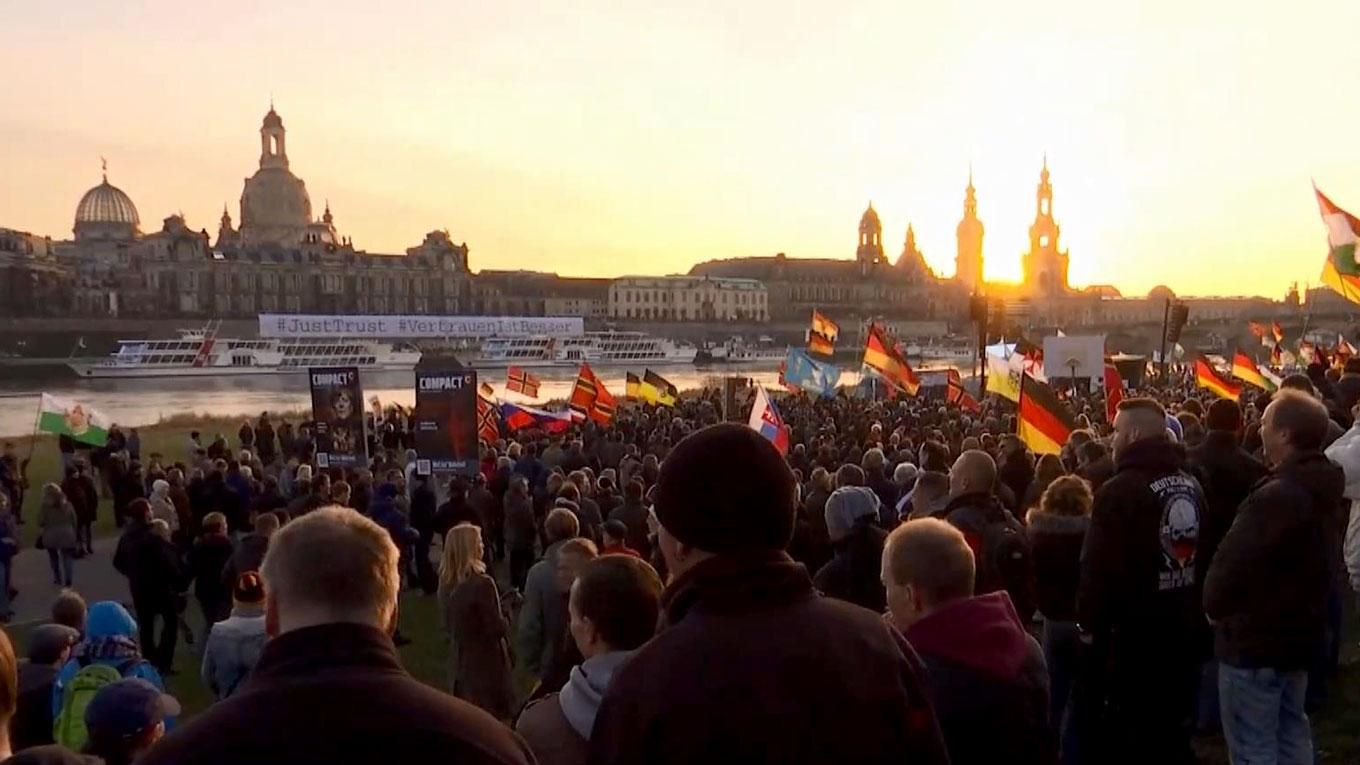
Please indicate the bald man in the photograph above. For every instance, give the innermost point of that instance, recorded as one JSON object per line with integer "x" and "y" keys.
{"x": 1138, "y": 600}
{"x": 997, "y": 539}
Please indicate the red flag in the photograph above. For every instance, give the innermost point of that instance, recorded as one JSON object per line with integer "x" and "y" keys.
{"x": 1114, "y": 392}
{"x": 957, "y": 395}
{"x": 522, "y": 382}
{"x": 487, "y": 429}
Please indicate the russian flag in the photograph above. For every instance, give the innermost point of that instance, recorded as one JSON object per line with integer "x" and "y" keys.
{"x": 519, "y": 417}
{"x": 766, "y": 421}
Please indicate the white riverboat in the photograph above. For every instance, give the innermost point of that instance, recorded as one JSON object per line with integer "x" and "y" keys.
{"x": 597, "y": 348}
{"x": 201, "y": 353}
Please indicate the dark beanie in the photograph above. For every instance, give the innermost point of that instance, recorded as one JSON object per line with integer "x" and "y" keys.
{"x": 726, "y": 489}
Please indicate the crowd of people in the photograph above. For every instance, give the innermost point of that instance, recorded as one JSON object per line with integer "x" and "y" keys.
{"x": 908, "y": 583}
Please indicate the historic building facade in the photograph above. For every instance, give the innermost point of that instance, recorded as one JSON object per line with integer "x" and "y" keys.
{"x": 868, "y": 286}
{"x": 281, "y": 259}
{"x": 688, "y": 298}
{"x": 32, "y": 281}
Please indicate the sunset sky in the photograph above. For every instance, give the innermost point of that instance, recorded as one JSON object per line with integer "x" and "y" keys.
{"x": 604, "y": 138}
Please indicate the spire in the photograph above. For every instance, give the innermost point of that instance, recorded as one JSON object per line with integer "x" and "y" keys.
{"x": 104, "y": 167}
{"x": 970, "y": 176}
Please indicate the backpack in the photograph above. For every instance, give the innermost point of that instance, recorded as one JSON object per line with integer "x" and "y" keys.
{"x": 68, "y": 727}
{"x": 1006, "y": 562}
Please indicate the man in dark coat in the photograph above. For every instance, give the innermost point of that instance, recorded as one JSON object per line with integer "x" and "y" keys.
{"x": 723, "y": 681}
{"x": 987, "y": 675}
{"x": 1268, "y": 586}
{"x": 852, "y": 574}
{"x": 1226, "y": 471}
{"x": 1138, "y": 602}
{"x": 330, "y": 686}
{"x": 999, "y": 544}
{"x": 633, "y": 514}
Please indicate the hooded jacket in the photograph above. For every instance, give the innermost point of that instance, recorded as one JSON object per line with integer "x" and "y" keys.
{"x": 853, "y": 573}
{"x": 232, "y": 650}
{"x": 1056, "y": 541}
{"x": 557, "y": 727}
{"x": 989, "y": 681}
{"x": 110, "y": 638}
{"x": 723, "y": 681}
{"x": 1267, "y": 587}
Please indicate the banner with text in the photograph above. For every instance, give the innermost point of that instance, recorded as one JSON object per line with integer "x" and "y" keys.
{"x": 377, "y": 327}
{"x": 445, "y": 421}
{"x": 338, "y": 410}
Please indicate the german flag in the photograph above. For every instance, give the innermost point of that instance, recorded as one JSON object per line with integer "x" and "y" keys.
{"x": 522, "y": 382}
{"x": 820, "y": 344}
{"x": 1044, "y": 422}
{"x": 882, "y": 356}
{"x": 632, "y": 387}
{"x": 825, "y": 327}
{"x": 1244, "y": 369}
{"x": 1206, "y": 377}
{"x": 658, "y": 390}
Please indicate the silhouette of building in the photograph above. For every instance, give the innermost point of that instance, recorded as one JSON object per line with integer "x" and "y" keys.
{"x": 968, "y": 258}
{"x": 1045, "y": 265}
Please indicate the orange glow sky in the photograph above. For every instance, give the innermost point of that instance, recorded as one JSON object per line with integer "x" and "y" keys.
{"x": 599, "y": 138}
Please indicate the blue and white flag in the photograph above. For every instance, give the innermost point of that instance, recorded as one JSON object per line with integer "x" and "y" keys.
{"x": 803, "y": 371}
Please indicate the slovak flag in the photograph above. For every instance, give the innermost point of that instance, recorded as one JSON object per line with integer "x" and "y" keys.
{"x": 766, "y": 421}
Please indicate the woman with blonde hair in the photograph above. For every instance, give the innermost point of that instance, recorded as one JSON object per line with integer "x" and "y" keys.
{"x": 479, "y": 655}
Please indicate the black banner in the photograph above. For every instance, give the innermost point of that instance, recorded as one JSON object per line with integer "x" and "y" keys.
{"x": 445, "y": 421}
{"x": 338, "y": 410}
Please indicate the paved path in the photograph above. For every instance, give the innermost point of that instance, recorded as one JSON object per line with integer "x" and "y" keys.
{"x": 95, "y": 579}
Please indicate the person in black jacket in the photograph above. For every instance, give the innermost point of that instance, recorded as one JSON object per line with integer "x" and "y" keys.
{"x": 1057, "y": 530}
{"x": 156, "y": 580}
{"x": 987, "y": 674}
{"x": 1268, "y": 586}
{"x": 207, "y": 557}
{"x": 852, "y": 574}
{"x": 1138, "y": 603}
{"x": 423, "y": 509}
{"x": 1227, "y": 472}
{"x": 330, "y": 686}
{"x": 996, "y": 536}
{"x": 722, "y": 681}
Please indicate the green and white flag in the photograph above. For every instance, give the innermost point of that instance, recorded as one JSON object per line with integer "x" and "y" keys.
{"x": 63, "y": 416}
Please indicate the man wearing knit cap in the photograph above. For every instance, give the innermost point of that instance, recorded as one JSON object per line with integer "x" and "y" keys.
{"x": 852, "y": 574}
{"x": 751, "y": 664}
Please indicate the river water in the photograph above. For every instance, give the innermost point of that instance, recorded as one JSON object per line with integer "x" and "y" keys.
{"x": 146, "y": 401}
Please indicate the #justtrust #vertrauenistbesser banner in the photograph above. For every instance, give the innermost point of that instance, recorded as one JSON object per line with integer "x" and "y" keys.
{"x": 338, "y": 411}
{"x": 445, "y": 420}
{"x": 381, "y": 327}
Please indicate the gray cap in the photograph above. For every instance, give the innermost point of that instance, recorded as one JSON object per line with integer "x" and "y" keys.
{"x": 846, "y": 506}
{"x": 47, "y": 641}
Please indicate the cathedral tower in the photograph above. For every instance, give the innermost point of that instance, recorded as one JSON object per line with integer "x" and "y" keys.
{"x": 968, "y": 260}
{"x": 1045, "y": 266}
{"x": 870, "y": 249}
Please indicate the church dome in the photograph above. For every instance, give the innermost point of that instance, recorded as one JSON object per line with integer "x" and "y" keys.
{"x": 272, "y": 119}
{"x": 106, "y": 203}
{"x": 870, "y": 217}
{"x": 275, "y": 207}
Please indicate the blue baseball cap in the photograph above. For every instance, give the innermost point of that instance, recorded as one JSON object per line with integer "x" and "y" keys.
{"x": 128, "y": 707}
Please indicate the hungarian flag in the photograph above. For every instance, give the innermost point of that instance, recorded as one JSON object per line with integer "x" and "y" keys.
{"x": 1206, "y": 377}
{"x": 766, "y": 421}
{"x": 66, "y": 417}
{"x": 1340, "y": 271}
{"x": 487, "y": 429}
{"x": 1277, "y": 330}
{"x": 589, "y": 397}
{"x": 957, "y": 395}
{"x": 883, "y": 357}
{"x": 825, "y": 327}
{"x": 1114, "y": 392}
{"x": 1244, "y": 369}
{"x": 656, "y": 389}
{"x": 820, "y": 344}
{"x": 1044, "y": 422}
{"x": 522, "y": 382}
{"x": 632, "y": 387}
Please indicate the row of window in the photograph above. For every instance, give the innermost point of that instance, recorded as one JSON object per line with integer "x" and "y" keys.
{"x": 650, "y": 296}
{"x": 685, "y": 314}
